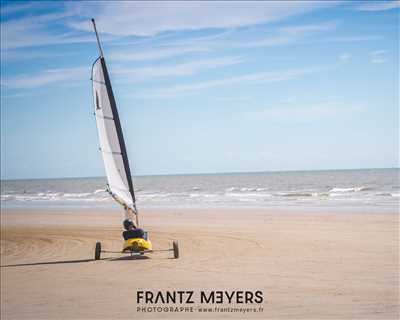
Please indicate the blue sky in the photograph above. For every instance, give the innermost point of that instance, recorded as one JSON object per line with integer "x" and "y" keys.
{"x": 200, "y": 86}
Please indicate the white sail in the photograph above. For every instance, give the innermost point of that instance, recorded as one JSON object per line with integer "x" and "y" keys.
{"x": 112, "y": 143}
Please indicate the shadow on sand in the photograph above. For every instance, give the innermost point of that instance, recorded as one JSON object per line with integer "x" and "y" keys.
{"x": 45, "y": 263}
{"x": 134, "y": 257}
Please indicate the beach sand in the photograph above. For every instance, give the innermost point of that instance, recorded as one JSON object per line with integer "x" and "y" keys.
{"x": 308, "y": 265}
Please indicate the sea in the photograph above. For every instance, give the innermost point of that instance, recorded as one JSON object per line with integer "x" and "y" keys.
{"x": 366, "y": 190}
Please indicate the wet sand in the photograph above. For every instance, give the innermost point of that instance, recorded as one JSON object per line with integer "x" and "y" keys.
{"x": 308, "y": 265}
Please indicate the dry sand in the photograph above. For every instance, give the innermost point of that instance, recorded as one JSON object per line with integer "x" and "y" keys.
{"x": 308, "y": 265}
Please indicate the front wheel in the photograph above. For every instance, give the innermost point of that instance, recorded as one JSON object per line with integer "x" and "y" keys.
{"x": 176, "y": 249}
{"x": 97, "y": 251}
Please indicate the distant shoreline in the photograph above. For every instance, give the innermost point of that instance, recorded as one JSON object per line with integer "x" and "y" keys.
{"x": 204, "y": 174}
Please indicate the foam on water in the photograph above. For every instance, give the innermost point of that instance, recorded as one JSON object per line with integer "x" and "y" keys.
{"x": 355, "y": 188}
{"x": 351, "y": 189}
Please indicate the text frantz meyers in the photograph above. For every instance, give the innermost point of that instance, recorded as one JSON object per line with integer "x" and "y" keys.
{"x": 189, "y": 297}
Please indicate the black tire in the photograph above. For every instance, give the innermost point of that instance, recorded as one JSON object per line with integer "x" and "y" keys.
{"x": 176, "y": 249}
{"x": 97, "y": 251}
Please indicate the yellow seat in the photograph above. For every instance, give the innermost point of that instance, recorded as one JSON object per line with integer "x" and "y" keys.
{"x": 137, "y": 245}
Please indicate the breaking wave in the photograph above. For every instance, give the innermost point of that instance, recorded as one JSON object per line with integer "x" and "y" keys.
{"x": 353, "y": 189}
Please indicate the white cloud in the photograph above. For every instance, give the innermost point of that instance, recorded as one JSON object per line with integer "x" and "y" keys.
{"x": 46, "y": 77}
{"x": 151, "y": 18}
{"x": 16, "y": 7}
{"x": 378, "y": 60}
{"x": 309, "y": 28}
{"x": 182, "y": 69}
{"x": 253, "y": 78}
{"x": 378, "y": 56}
{"x": 378, "y": 5}
{"x": 34, "y": 31}
{"x": 216, "y": 42}
{"x": 154, "y": 53}
{"x": 303, "y": 114}
{"x": 28, "y": 54}
{"x": 284, "y": 36}
{"x": 142, "y": 18}
{"x": 68, "y": 75}
{"x": 18, "y": 95}
{"x": 344, "y": 56}
{"x": 378, "y": 52}
{"x": 352, "y": 38}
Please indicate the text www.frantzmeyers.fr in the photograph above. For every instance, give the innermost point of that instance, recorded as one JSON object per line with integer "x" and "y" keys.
{"x": 164, "y": 309}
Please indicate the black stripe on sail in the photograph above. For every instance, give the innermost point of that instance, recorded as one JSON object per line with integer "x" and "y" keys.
{"x": 104, "y": 117}
{"x": 110, "y": 152}
{"x": 118, "y": 128}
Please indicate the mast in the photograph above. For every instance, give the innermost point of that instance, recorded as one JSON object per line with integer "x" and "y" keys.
{"x": 123, "y": 172}
{"x": 97, "y": 37}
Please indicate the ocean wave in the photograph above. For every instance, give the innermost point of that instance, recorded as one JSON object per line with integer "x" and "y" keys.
{"x": 202, "y": 195}
{"x": 231, "y": 189}
{"x": 302, "y": 194}
{"x": 388, "y": 194}
{"x": 43, "y": 194}
{"x": 245, "y": 189}
{"x": 383, "y": 194}
{"x": 235, "y": 195}
{"x": 6, "y": 197}
{"x": 247, "y": 200}
{"x": 346, "y": 190}
{"x": 294, "y": 194}
{"x": 77, "y": 195}
{"x": 25, "y": 198}
{"x": 52, "y": 196}
{"x": 248, "y": 194}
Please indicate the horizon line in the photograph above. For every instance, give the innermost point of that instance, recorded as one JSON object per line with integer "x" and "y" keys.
{"x": 203, "y": 173}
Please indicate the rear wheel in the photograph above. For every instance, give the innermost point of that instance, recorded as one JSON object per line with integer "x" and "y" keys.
{"x": 176, "y": 249}
{"x": 97, "y": 251}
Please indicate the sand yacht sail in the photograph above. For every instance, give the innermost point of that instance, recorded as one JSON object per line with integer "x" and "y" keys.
{"x": 112, "y": 144}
